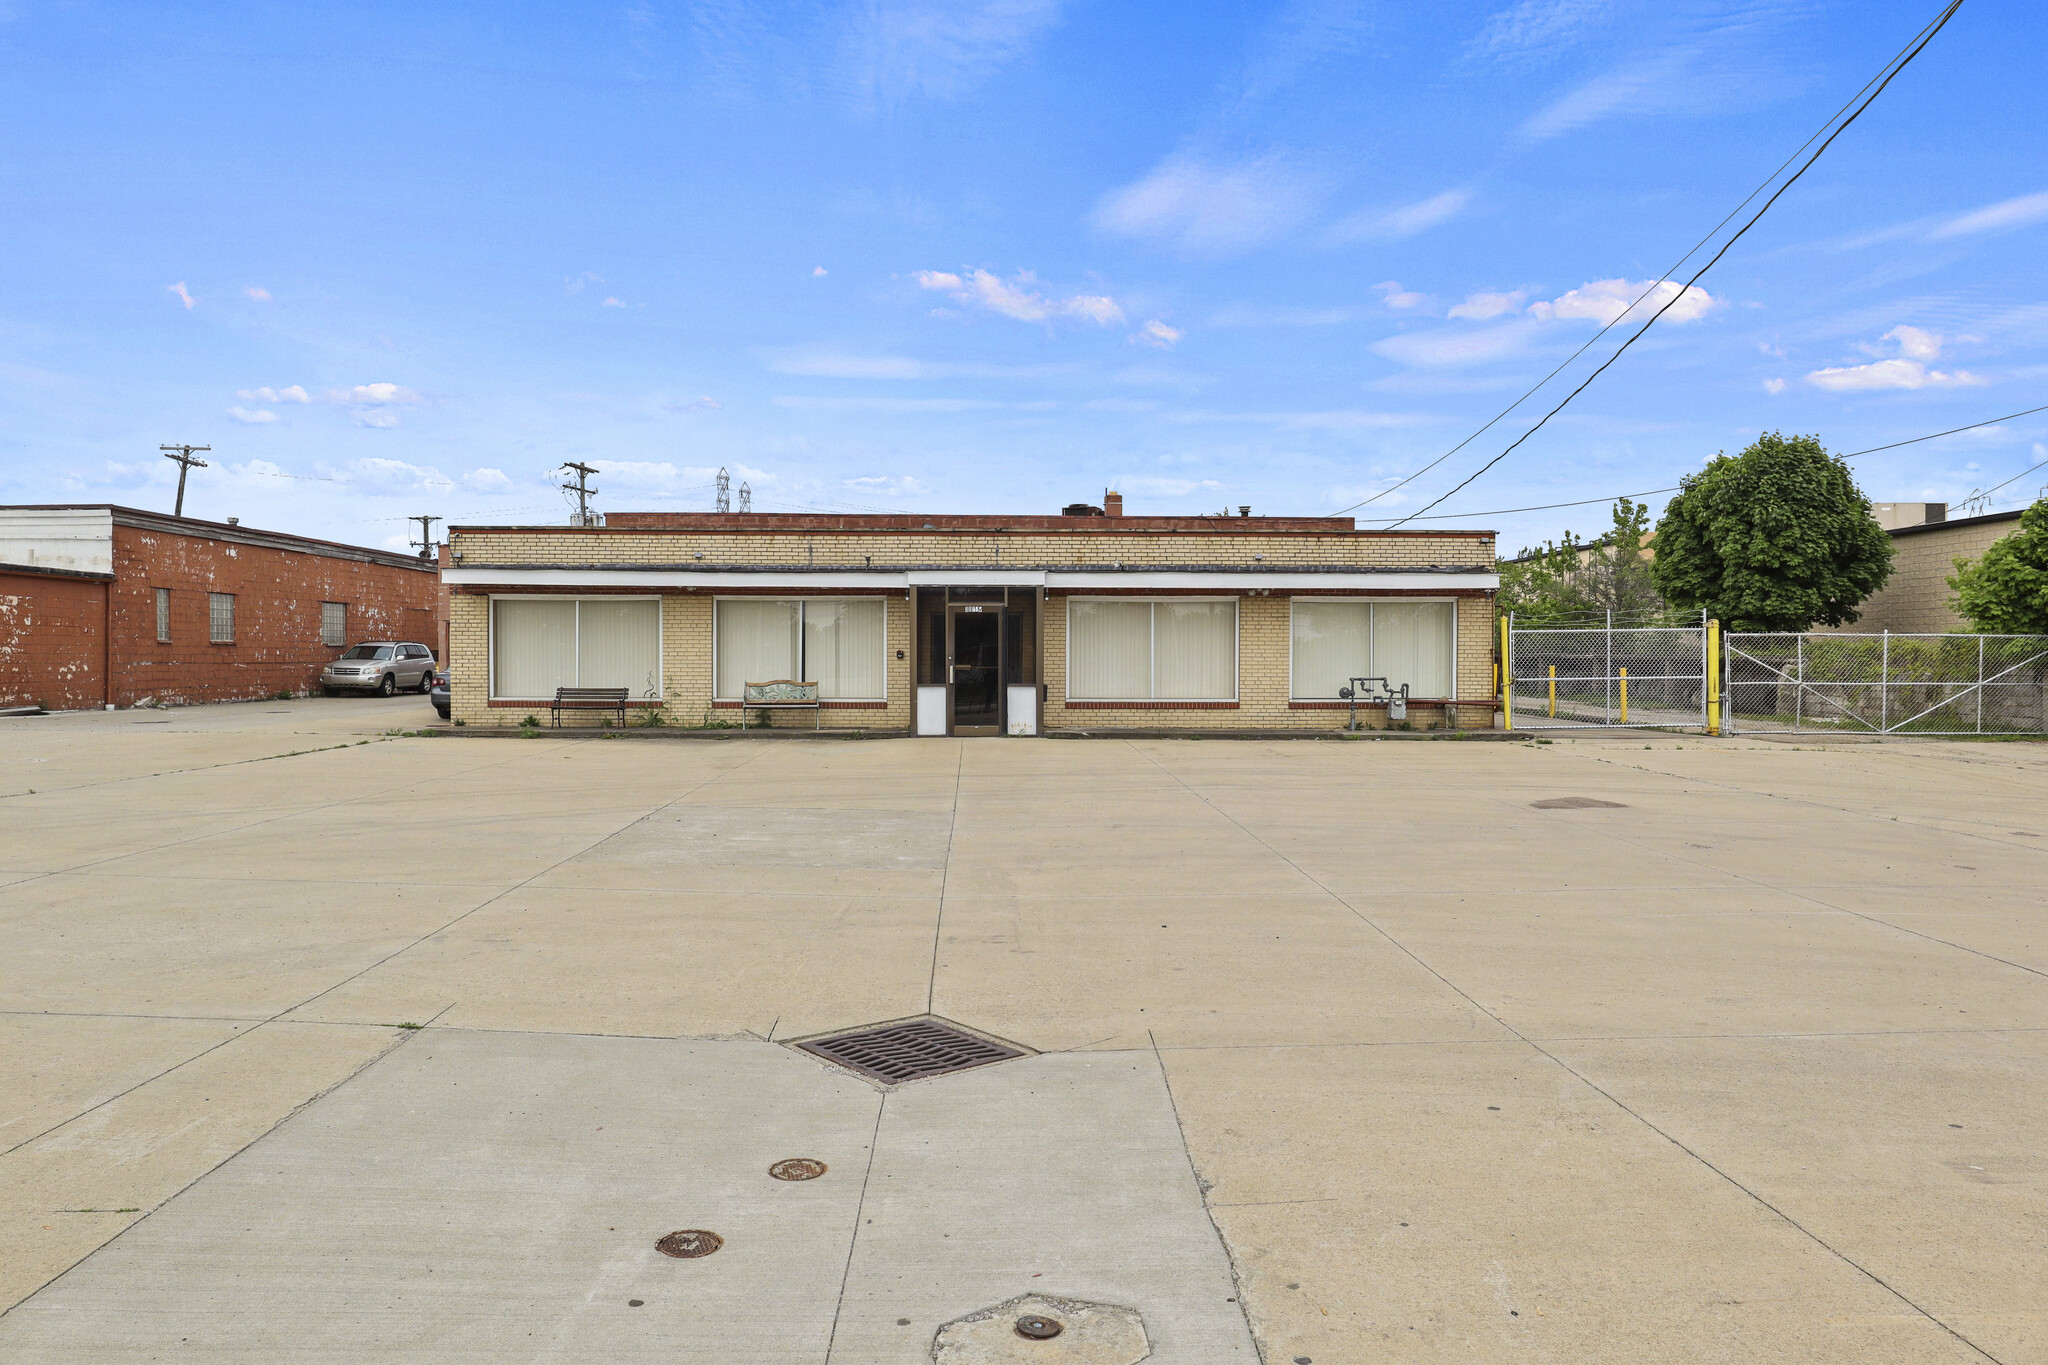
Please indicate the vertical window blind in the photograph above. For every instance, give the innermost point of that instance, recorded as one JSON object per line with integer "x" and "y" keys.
{"x": 837, "y": 643}
{"x": 1404, "y": 642}
{"x": 1171, "y": 649}
{"x": 541, "y": 643}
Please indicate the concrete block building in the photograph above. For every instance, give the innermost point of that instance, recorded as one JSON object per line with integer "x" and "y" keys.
{"x": 1084, "y": 621}
{"x": 104, "y": 605}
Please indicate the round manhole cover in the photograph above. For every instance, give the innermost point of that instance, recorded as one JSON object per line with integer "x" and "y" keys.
{"x": 1038, "y": 1328}
{"x": 689, "y": 1243}
{"x": 797, "y": 1168}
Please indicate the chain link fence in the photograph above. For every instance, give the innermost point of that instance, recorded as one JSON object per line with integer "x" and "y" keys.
{"x": 1571, "y": 677}
{"x": 1886, "y": 684}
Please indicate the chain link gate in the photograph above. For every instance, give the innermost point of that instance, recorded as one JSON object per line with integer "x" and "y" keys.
{"x": 1575, "y": 678}
{"x": 1886, "y": 684}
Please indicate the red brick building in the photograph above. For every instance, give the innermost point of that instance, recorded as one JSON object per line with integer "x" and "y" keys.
{"x": 103, "y": 605}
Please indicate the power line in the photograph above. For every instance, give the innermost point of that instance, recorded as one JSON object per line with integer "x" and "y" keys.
{"x": 1588, "y": 502}
{"x": 584, "y": 493}
{"x": 186, "y": 462}
{"x": 1662, "y": 279}
{"x": 1899, "y": 65}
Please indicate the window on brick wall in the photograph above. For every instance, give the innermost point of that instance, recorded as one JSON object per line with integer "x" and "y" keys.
{"x": 541, "y": 643}
{"x": 1408, "y": 642}
{"x": 838, "y": 643}
{"x": 220, "y": 617}
{"x": 163, "y": 616}
{"x": 334, "y": 624}
{"x": 1174, "y": 649}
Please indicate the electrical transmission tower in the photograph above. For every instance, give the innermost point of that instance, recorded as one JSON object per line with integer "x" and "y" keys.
{"x": 724, "y": 490}
{"x": 584, "y": 493}
{"x": 746, "y": 498}
{"x": 426, "y": 535}
{"x": 186, "y": 461}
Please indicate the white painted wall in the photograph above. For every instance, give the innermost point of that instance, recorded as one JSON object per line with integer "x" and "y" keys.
{"x": 931, "y": 709}
{"x": 77, "y": 538}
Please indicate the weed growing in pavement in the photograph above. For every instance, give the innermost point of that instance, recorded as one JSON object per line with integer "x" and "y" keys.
{"x": 532, "y": 722}
{"x": 462, "y": 722}
{"x": 409, "y": 1024}
{"x": 282, "y": 696}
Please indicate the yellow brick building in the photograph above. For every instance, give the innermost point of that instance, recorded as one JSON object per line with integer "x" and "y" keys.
{"x": 977, "y": 624}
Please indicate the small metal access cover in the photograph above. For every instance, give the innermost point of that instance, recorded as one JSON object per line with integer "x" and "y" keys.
{"x": 797, "y": 1168}
{"x": 1038, "y": 1328}
{"x": 910, "y": 1051}
{"x": 1576, "y": 803}
{"x": 689, "y": 1244}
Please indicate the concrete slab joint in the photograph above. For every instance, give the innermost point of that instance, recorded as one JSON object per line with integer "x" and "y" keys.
{"x": 1090, "y": 1334}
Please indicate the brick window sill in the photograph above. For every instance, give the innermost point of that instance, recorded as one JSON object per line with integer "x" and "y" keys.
{"x": 1150, "y": 706}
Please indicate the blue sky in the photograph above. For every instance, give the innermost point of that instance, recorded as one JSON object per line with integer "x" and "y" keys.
{"x": 996, "y": 255}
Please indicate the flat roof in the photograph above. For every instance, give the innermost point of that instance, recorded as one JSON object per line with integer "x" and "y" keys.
{"x": 896, "y": 523}
{"x": 165, "y": 523}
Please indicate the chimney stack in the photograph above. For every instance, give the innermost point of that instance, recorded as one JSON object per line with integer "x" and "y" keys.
{"x": 1112, "y": 503}
{"x": 1244, "y": 511}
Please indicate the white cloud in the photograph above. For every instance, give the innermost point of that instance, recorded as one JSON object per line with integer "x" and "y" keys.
{"x": 376, "y": 417}
{"x": 1208, "y": 210}
{"x": 1145, "y": 486}
{"x": 1641, "y": 87}
{"x": 183, "y": 294}
{"x": 576, "y": 284}
{"x": 375, "y": 394}
{"x": 291, "y": 393}
{"x": 1456, "y": 346}
{"x": 1538, "y": 28}
{"x": 611, "y": 301}
{"x": 248, "y": 417}
{"x": 1888, "y": 374}
{"x": 1395, "y": 224}
{"x": 1404, "y": 300}
{"x": 1915, "y": 344}
{"x": 819, "y": 273}
{"x": 804, "y": 402}
{"x": 398, "y": 474}
{"x": 939, "y": 49}
{"x": 2024, "y": 211}
{"x": 1608, "y": 300}
{"x": 1480, "y": 307}
{"x": 486, "y": 480}
{"x": 1157, "y": 333}
{"x": 889, "y": 485}
{"x": 258, "y": 294}
{"x": 1018, "y": 298}
{"x": 1774, "y": 386}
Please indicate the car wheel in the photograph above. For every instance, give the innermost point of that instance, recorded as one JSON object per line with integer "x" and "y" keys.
{"x": 388, "y": 687}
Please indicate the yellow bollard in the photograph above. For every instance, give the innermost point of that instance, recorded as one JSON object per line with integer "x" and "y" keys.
{"x": 1713, "y": 677}
{"x": 1553, "y": 691}
{"x": 1624, "y": 696}
{"x": 1507, "y": 677}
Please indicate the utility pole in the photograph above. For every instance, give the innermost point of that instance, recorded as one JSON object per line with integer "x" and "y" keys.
{"x": 426, "y": 535}
{"x": 584, "y": 493}
{"x": 186, "y": 460}
{"x": 724, "y": 490}
{"x": 746, "y": 498}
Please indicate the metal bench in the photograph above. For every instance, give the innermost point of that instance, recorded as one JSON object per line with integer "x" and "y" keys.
{"x": 782, "y": 695}
{"x": 589, "y": 699}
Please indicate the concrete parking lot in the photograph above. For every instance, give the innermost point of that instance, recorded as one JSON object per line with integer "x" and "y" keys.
{"x": 326, "y": 1044}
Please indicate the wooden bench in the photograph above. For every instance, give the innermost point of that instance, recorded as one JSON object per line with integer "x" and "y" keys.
{"x": 781, "y": 695}
{"x": 589, "y": 699}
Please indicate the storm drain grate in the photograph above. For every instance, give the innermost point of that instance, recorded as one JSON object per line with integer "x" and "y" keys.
{"x": 1576, "y": 803}
{"x": 910, "y": 1051}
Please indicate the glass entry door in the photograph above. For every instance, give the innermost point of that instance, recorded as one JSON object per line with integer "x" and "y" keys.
{"x": 974, "y": 657}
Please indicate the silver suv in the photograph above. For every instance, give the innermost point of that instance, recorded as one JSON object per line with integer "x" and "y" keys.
{"x": 380, "y": 668}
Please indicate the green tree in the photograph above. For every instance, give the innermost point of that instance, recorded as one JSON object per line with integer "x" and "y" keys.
{"x": 2006, "y": 592}
{"x": 1576, "y": 580}
{"x": 1776, "y": 538}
